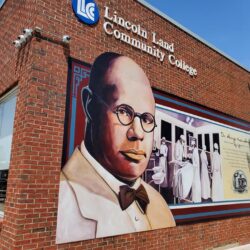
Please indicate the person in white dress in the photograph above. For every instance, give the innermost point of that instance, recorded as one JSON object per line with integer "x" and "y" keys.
{"x": 163, "y": 155}
{"x": 183, "y": 171}
{"x": 205, "y": 182}
{"x": 217, "y": 182}
{"x": 196, "y": 185}
{"x": 179, "y": 149}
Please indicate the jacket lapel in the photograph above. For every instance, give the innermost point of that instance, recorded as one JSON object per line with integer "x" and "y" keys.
{"x": 91, "y": 191}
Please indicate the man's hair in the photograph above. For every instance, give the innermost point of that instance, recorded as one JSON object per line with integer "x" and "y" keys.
{"x": 99, "y": 69}
{"x": 98, "y": 90}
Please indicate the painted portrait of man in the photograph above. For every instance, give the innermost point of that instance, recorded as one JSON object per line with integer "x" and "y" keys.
{"x": 101, "y": 190}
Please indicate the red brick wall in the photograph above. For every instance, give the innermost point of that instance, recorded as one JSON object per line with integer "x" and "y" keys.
{"x": 40, "y": 70}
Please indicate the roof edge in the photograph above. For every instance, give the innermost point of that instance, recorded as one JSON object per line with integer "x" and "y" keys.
{"x": 160, "y": 13}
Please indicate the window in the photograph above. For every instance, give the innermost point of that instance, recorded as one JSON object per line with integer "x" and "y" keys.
{"x": 178, "y": 132}
{"x": 189, "y": 137}
{"x": 7, "y": 113}
{"x": 207, "y": 142}
{"x": 200, "y": 141}
{"x": 216, "y": 139}
{"x": 166, "y": 130}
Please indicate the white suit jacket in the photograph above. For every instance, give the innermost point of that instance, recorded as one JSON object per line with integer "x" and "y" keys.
{"x": 89, "y": 208}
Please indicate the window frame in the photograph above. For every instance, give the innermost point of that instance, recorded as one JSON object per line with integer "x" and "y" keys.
{"x": 3, "y": 99}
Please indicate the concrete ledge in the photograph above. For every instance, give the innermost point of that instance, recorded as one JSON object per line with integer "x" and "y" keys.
{"x": 244, "y": 247}
{"x": 234, "y": 246}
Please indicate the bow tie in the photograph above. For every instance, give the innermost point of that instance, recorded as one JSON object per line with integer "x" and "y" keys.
{"x": 127, "y": 195}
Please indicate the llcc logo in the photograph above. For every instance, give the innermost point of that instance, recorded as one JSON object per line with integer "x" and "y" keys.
{"x": 86, "y": 11}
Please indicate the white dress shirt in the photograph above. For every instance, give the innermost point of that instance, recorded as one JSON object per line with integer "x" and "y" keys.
{"x": 136, "y": 214}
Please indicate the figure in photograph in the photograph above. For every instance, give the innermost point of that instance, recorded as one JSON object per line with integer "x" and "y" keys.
{"x": 205, "y": 181}
{"x": 242, "y": 183}
{"x": 163, "y": 155}
{"x": 179, "y": 152}
{"x": 217, "y": 182}
{"x": 196, "y": 185}
{"x": 101, "y": 191}
{"x": 239, "y": 181}
{"x": 183, "y": 172}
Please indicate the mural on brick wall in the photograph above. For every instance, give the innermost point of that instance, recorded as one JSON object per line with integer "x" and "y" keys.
{"x": 136, "y": 159}
{"x": 101, "y": 189}
{"x": 201, "y": 161}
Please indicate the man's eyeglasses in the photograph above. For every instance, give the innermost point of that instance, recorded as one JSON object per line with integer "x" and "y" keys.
{"x": 126, "y": 114}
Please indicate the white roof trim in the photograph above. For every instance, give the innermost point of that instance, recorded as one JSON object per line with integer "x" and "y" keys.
{"x": 160, "y": 13}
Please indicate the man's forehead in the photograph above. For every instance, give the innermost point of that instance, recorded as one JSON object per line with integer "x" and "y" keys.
{"x": 126, "y": 80}
{"x": 125, "y": 69}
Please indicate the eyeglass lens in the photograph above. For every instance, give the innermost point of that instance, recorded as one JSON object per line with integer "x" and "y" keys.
{"x": 126, "y": 115}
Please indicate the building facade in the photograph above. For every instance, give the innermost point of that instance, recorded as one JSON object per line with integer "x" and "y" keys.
{"x": 34, "y": 91}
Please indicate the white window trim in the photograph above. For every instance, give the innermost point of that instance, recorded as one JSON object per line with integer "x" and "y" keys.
{"x": 3, "y": 99}
{"x": 8, "y": 95}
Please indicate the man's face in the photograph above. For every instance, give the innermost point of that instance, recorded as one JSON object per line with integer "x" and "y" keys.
{"x": 125, "y": 150}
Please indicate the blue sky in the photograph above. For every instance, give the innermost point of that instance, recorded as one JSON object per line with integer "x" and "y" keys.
{"x": 1, "y": 2}
{"x": 223, "y": 23}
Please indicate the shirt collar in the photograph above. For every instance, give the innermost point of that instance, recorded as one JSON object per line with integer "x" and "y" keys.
{"x": 113, "y": 182}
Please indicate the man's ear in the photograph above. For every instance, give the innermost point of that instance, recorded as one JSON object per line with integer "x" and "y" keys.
{"x": 87, "y": 96}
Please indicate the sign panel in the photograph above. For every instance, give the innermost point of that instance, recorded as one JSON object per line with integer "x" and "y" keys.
{"x": 136, "y": 159}
{"x": 86, "y": 11}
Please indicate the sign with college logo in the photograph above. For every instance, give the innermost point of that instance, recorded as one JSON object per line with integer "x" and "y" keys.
{"x": 86, "y": 11}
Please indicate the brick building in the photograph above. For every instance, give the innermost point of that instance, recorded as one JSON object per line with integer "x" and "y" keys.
{"x": 33, "y": 85}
